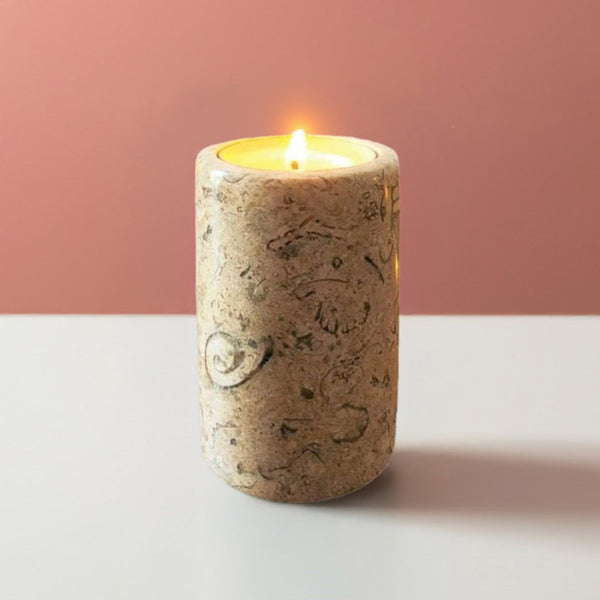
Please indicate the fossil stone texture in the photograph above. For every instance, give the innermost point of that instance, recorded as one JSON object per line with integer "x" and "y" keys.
{"x": 297, "y": 300}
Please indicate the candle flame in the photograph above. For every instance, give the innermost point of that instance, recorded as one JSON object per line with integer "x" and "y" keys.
{"x": 295, "y": 155}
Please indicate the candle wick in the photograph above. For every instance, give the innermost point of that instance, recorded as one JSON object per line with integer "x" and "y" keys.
{"x": 295, "y": 165}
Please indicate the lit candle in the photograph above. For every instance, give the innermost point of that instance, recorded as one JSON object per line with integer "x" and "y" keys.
{"x": 298, "y": 152}
{"x": 297, "y": 301}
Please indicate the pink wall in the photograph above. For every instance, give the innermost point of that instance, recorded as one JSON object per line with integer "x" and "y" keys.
{"x": 493, "y": 108}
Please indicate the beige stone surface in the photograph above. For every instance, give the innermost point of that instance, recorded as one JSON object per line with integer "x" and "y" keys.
{"x": 297, "y": 301}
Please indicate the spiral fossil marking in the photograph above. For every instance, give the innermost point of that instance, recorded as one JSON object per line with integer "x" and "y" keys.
{"x": 340, "y": 380}
{"x": 230, "y": 362}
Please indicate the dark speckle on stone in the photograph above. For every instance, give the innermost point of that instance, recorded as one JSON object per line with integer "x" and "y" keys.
{"x": 304, "y": 341}
{"x": 286, "y": 430}
{"x": 306, "y": 393}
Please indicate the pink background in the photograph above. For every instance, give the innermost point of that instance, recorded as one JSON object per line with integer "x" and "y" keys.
{"x": 493, "y": 108}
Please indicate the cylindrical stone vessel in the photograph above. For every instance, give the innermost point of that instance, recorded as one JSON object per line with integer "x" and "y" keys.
{"x": 297, "y": 303}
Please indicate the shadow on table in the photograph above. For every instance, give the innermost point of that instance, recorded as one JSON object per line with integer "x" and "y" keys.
{"x": 467, "y": 481}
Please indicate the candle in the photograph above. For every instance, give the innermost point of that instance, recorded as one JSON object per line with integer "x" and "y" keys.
{"x": 298, "y": 152}
{"x": 297, "y": 302}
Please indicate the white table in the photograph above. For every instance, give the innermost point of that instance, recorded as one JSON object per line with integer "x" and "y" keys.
{"x": 493, "y": 493}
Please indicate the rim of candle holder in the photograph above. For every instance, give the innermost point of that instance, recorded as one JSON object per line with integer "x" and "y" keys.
{"x": 210, "y": 156}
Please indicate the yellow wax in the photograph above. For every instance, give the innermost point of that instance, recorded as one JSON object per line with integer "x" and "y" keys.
{"x": 324, "y": 152}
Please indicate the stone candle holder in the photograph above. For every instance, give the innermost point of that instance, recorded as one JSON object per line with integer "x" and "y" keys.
{"x": 297, "y": 302}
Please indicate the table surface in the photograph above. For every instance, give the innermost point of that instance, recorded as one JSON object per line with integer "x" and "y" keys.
{"x": 493, "y": 491}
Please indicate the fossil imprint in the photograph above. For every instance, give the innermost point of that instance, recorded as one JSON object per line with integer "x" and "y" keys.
{"x": 231, "y": 362}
